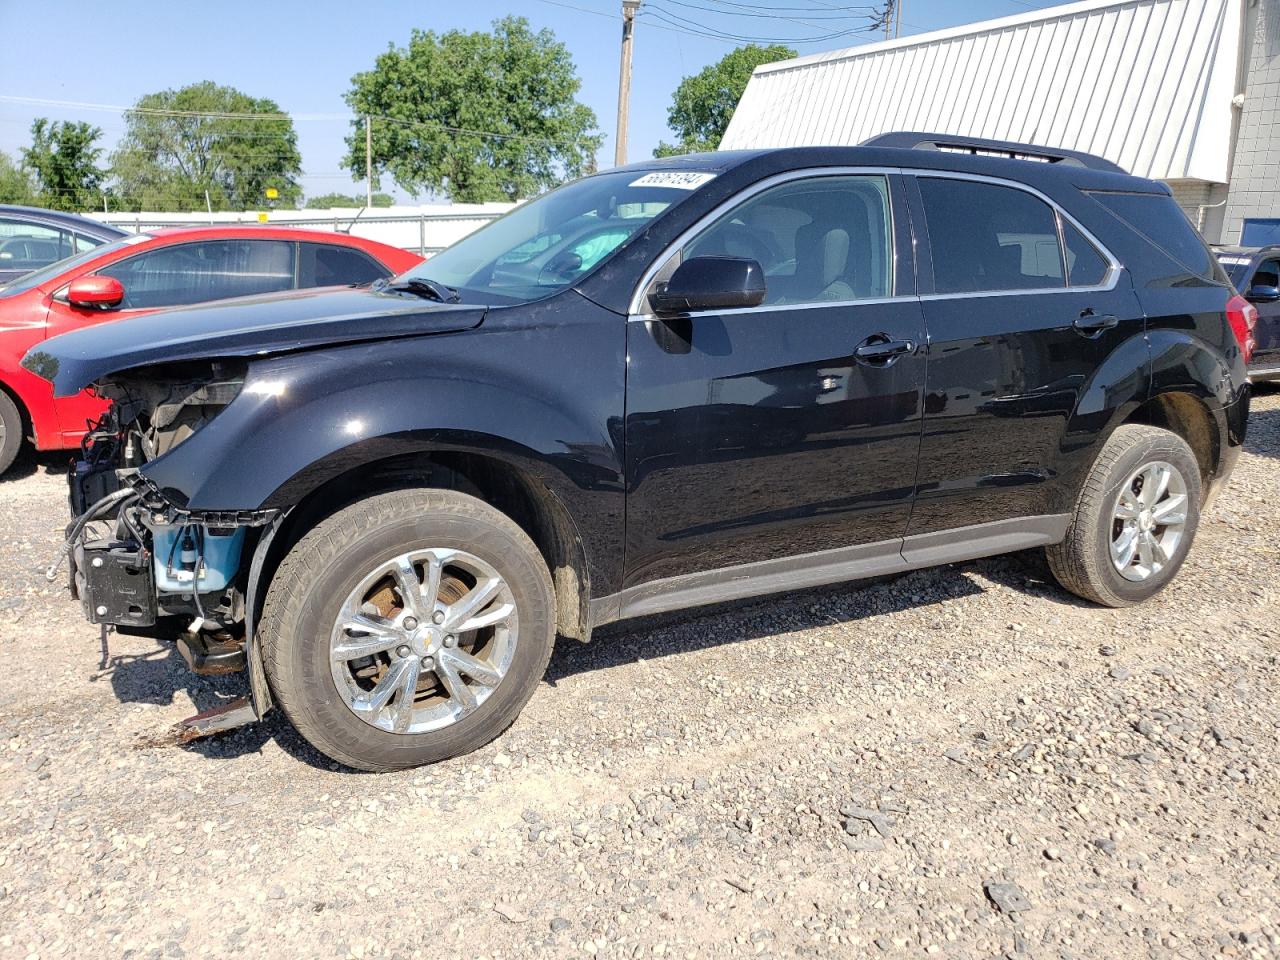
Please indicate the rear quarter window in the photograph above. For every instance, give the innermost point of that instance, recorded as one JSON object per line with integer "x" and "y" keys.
{"x": 1161, "y": 221}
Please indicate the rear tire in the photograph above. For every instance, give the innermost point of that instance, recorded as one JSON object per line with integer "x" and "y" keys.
{"x": 1121, "y": 549}
{"x": 10, "y": 431}
{"x": 456, "y": 598}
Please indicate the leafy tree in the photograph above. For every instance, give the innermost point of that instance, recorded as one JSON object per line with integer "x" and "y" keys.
{"x": 178, "y": 144}
{"x": 64, "y": 160}
{"x": 16, "y": 185}
{"x": 704, "y": 103}
{"x": 436, "y": 103}
{"x": 327, "y": 200}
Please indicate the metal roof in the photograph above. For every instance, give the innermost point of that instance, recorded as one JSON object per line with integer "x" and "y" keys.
{"x": 1146, "y": 84}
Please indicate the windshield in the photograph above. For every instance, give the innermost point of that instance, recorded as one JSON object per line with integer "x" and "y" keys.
{"x": 546, "y": 244}
{"x": 1237, "y": 267}
{"x": 35, "y": 278}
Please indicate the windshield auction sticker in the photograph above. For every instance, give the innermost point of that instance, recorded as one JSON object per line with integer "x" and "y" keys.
{"x": 675, "y": 179}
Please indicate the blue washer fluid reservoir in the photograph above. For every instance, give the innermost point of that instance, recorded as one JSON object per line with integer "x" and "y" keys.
{"x": 176, "y": 547}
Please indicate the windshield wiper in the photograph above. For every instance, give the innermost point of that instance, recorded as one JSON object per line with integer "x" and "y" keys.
{"x": 422, "y": 287}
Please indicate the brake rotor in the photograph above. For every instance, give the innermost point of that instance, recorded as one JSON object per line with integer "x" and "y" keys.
{"x": 384, "y": 601}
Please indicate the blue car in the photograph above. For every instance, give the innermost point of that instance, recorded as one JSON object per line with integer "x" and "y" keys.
{"x": 31, "y": 238}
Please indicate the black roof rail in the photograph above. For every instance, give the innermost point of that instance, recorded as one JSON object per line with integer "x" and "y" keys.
{"x": 977, "y": 146}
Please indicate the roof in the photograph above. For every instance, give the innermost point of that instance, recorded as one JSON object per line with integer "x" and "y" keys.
{"x": 392, "y": 257}
{"x": 253, "y": 231}
{"x": 1235, "y": 250}
{"x": 72, "y": 221}
{"x": 923, "y": 151}
{"x": 1147, "y": 84}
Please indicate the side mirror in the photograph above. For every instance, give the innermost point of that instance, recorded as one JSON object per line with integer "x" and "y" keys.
{"x": 95, "y": 292}
{"x": 1263, "y": 293}
{"x": 711, "y": 283}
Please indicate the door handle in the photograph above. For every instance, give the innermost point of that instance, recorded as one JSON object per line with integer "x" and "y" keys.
{"x": 1090, "y": 323}
{"x": 878, "y": 349}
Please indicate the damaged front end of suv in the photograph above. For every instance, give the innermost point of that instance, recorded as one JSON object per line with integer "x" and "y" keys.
{"x": 150, "y": 550}
{"x": 139, "y": 559}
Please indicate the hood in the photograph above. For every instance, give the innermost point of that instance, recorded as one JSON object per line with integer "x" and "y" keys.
{"x": 249, "y": 326}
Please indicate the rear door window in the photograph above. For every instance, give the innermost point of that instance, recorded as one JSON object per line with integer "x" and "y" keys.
{"x": 330, "y": 265}
{"x": 209, "y": 270}
{"x": 988, "y": 238}
{"x": 1158, "y": 218}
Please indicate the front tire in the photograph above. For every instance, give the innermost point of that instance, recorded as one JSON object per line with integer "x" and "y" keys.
{"x": 1134, "y": 521}
{"x": 408, "y": 628}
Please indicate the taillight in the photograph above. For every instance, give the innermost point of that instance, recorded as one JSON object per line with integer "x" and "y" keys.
{"x": 1243, "y": 317}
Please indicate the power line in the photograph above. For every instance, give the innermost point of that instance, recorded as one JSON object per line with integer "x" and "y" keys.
{"x": 656, "y": 10}
{"x": 216, "y": 115}
{"x": 754, "y": 11}
{"x": 819, "y": 14}
{"x": 157, "y": 111}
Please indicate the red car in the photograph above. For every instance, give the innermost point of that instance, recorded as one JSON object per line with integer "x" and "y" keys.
{"x": 146, "y": 272}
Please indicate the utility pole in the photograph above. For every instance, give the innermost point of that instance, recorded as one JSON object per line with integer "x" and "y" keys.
{"x": 897, "y": 19}
{"x": 629, "y": 8}
{"x": 368, "y": 161}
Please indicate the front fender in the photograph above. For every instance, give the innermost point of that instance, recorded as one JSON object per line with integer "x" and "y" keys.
{"x": 548, "y": 400}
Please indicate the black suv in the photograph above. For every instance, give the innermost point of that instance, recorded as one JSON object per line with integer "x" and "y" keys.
{"x": 1255, "y": 271}
{"x": 675, "y": 383}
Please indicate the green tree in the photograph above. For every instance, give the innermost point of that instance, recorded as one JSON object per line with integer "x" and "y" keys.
{"x": 16, "y": 185}
{"x": 327, "y": 200}
{"x": 64, "y": 160}
{"x": 438, "y": 103}
{"x": 178, "y": 144}
{"x": 704, "y": 103}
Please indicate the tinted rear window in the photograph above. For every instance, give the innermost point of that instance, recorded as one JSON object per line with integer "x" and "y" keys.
{"x": 988, "y": 238}
{"x": 1158, "y": 218}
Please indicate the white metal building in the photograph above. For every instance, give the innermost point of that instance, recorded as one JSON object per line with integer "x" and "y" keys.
{"x": 1185, "y": 91}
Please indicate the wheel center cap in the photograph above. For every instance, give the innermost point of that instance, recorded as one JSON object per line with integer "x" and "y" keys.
{"x": 1146, "y": 522}
{"x": 425, "y": 641}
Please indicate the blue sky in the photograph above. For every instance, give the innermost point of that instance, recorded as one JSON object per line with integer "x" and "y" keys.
{"x": 303, "y": 54}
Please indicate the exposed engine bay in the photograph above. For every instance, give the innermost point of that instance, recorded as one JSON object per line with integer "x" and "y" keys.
{"x": 138, "y": 561}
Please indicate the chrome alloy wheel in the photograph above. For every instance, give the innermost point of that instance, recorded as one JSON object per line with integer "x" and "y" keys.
{"x": 423, "y": 640}
{"x": 1148, "y": 521}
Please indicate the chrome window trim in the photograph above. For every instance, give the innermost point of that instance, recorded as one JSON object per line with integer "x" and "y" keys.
{"x": 775, "y": 307}
{"x": 638, "y": 310}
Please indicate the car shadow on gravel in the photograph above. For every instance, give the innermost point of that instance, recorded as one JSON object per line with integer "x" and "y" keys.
{"x": 1262, "y": 436}
{"x": 30, "y": 462}
{"x": 668, "y": 634}
{"x": 158, "y": 677}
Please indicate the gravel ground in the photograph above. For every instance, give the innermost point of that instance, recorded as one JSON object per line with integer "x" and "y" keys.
{"x": 964, "y": 761}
